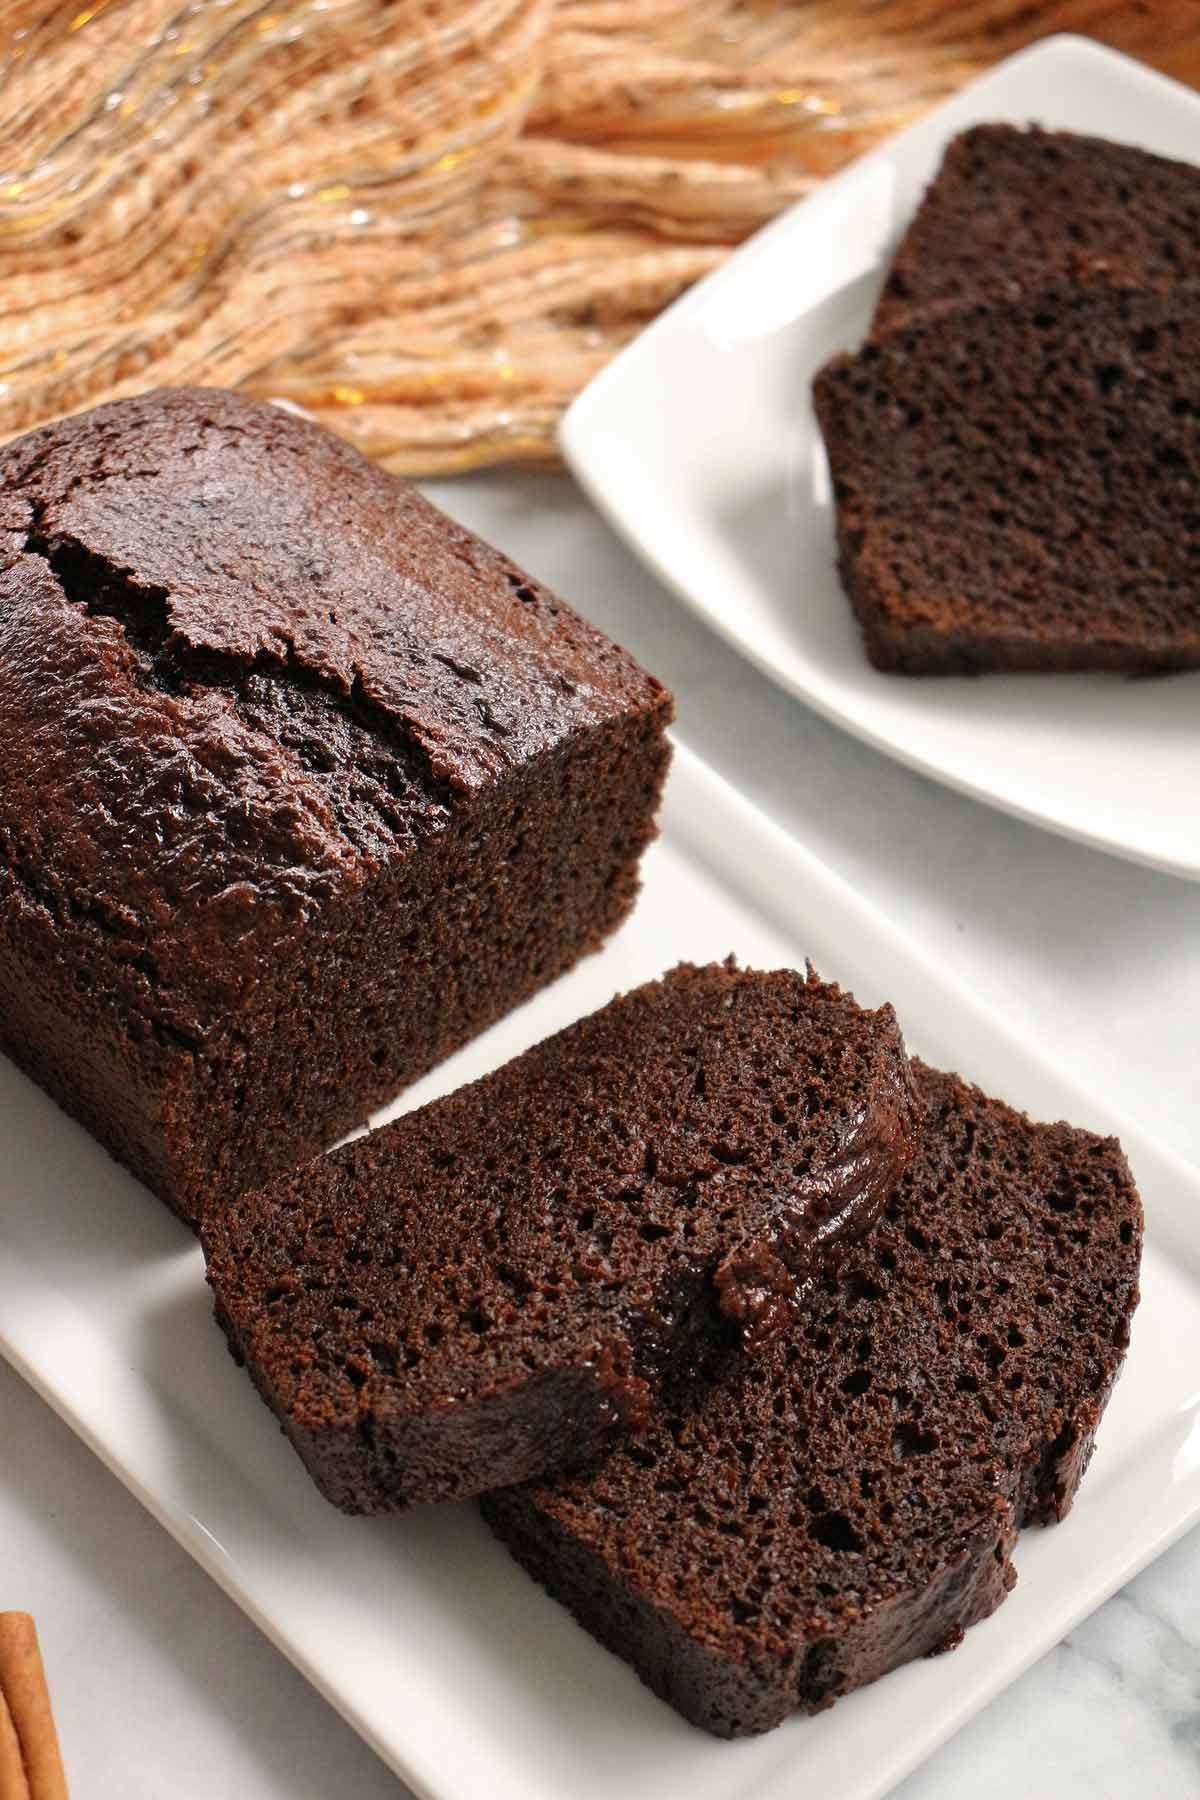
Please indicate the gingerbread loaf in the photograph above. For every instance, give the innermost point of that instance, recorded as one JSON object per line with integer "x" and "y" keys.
{"x": 1014, "y": 208}
{"x": 1015, "y": 483}
{"x": 498, "y": 1283}
{"x": 301, "y": 784}
{"x": 798, "y": 1524}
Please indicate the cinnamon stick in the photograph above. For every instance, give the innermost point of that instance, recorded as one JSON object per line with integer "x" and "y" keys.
{"x": 13, "y": 1785}
{"x": 38, "y": 1771}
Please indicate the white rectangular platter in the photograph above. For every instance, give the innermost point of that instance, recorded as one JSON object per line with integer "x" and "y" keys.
{"x": 700, "y": 446}
{"x": 463, "y": 1676}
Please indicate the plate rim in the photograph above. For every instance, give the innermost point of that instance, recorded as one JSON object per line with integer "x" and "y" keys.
{"x": 575, "y": 442}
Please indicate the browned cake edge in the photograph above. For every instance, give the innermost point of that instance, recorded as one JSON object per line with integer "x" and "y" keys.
{"x": 700, "y": 1680}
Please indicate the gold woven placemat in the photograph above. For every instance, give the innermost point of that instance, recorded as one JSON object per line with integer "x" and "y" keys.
{"x": 429, "y": 222}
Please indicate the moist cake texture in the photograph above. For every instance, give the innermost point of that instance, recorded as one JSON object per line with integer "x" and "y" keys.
{"x": 494, "y": 1285}
{"x": 799, "y": 1523}
{"x": 301, "y": 784}
{"x": 1016, "y": 208}
{"x": 1016, "y": 483}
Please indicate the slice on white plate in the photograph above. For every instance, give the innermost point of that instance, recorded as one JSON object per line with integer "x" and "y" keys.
{"x": 700, "y": 446}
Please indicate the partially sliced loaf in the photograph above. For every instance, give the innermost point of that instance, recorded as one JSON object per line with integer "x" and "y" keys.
{"x": 490, "y": 1287}
{"x": 1012, "y": 208}
{"x": 819, "y": 1515}
{"x": 302, "y": 786}
{"x": 1017, "y": 484}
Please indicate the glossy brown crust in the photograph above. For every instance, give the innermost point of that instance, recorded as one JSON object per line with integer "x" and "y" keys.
{"x": 1015, "y": 484}
{"x": 802, "y": 1522}
{"x": 492, "y": 1286}
{"x": 301, "y": 784}
{"x": 1012, "y": 209}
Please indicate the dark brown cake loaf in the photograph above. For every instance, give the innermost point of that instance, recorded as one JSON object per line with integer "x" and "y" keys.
{"x": 301, "y": 784}
{"x": 1013, "y": 208}
{"x": 849, "y": 1500}
{"x": 489, "y": 1287}
{"x": 1017, "y": 484}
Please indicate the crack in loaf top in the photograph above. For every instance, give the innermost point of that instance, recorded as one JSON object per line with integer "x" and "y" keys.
{"x": 241, "y": 667}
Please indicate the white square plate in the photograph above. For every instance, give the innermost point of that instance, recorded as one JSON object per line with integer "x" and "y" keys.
{"x": 420, "y": 1630}
{"x": 700, "y": 445}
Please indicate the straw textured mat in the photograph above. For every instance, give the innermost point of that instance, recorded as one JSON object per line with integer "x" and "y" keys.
{"x": 429, "y": 222}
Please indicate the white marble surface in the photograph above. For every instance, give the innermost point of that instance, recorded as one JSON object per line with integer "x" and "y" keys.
{"x": 164, "y": 1689}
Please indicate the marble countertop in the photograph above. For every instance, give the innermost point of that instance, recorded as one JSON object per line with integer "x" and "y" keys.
{"x": 164, "y": 1689}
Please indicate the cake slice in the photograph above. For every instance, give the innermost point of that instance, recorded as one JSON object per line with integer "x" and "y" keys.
{"x": 1012, "y": 209}
{"x": 491, "y": 1286}
{"x": 1016, "y": 483}
{"x": 301, "y": 784}
{"x": 814, "y": 1517}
